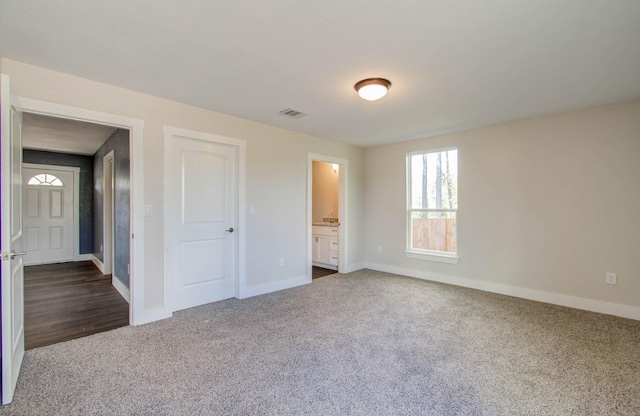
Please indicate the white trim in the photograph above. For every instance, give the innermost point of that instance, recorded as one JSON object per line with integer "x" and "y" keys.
{"x": 433, "y": 256}
{"x": 274, "y": 286}
{"x": 343, "y": 211}
{"x": 138, "y": 314}
{"x": 120, "y": 287}
{"x": 84, "y": 257}
{"x": 108, "y": 208}
{"x": 240, "y": 213}
{"x": 76, "y": 199}
{"x": 98, "y": 263}
{"x": 441, "y": 257}
{"x": 354, "y": 267}
{"x": 75, "y": 169}
{"x": 325, "y": 266}
{"x": 624, "y": 311}
{"x": 153, "y": 314}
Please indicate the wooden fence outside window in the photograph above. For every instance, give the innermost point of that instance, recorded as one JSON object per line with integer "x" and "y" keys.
{"x": 438, "y": 234}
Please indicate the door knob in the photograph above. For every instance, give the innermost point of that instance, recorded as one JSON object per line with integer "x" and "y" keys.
{"x": 230, "y": 230}
{"x": 6, "y": 256}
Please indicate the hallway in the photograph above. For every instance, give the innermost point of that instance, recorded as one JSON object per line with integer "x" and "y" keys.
{"x": 65, "y": 301}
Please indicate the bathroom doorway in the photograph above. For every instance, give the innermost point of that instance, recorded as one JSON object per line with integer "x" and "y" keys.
{"x": 327, "y": 215}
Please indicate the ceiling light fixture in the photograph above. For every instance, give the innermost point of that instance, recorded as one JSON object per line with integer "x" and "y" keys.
{"x": 372, "y": 88}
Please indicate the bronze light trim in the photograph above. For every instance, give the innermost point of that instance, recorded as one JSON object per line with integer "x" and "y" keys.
{"x": 382, "y": 82}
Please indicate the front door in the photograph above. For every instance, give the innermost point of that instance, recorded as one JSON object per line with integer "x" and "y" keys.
{"x": 201, "y": 209}
{"x": 12, "y": 267}
{"x": 48, "y": 215}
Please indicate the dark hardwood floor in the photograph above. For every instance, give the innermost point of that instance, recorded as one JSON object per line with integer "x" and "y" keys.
{"x": 321, "y": 272}
{"x": 69, "y": 300}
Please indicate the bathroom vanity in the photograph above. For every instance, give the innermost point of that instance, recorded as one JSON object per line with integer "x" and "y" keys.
{"x": 325, "y": 245}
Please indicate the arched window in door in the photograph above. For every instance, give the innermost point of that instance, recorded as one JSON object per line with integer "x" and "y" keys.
{"x": 45, "y": 179}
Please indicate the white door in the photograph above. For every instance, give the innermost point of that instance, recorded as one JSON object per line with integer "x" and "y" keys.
{"x": 48, "y": 215}
{"x": 201, "y": 215}
{"x": 12, "y": 268}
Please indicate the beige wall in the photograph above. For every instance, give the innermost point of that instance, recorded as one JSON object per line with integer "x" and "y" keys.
{"x": 275, "y": 182}
{"x": 325, "y": 191}
{"x": 548, "y": 204}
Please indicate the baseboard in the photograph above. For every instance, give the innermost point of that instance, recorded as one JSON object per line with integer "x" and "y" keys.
{"x": 149, "y": 315}
{"x": 325, "y": 266}
{"x": 349, "y": 268}
{"x": 98, "y": 263}
{"x": 120, "y": 287}
{"x": 251, "y": 291}
{"x": 39, "y": 263}
{"x": 84, "y": 257}
{"x": 623, "y": 311}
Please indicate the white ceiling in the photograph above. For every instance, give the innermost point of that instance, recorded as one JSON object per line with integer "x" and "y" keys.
{"x": 454, "y": 65}
{"x": 60, "y": 135}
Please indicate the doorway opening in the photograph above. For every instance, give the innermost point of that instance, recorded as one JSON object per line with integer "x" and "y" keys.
{"x": 327, "y": 215}
{"x": 76, "y": 295}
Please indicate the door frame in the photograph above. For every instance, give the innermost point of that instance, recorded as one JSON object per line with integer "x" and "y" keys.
{"x": 108, "y": 255}
{"x": 138, "y": 313}
{"x": 240, "y": 243}
{"x": 343, "y": 212}
{"x": 76, "y": 203}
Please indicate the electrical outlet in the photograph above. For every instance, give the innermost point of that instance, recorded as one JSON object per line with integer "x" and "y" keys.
{"x": 379, "y": 249}
{"x": 100, "y": 248}
{"x": 281, "y": 261}
{"x": 611, "y": 278}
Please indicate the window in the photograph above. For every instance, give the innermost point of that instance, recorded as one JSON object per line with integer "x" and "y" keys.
{"x": 432, "y": 204}
{"x": 45, "y": 179}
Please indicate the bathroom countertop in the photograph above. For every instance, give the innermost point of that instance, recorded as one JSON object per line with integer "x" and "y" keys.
{"x": 326, "y": 224}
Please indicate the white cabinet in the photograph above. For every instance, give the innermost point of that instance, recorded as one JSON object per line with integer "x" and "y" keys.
{"x": 325, "y": 246}
{"x": 321, "y": 249}
{"x": 333, "y": 251}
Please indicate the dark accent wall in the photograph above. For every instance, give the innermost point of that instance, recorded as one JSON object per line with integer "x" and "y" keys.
{"x": 85, "y": 163}
{"x": 119, "y": 143}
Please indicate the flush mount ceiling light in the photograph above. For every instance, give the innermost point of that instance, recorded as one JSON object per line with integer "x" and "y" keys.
{"x": 372, "y": 88}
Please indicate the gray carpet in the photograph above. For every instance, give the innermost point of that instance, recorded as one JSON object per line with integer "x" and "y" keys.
{"x": 365, "y": 343}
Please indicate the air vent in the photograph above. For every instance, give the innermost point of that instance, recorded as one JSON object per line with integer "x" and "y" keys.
{"x": 287, "y": 112}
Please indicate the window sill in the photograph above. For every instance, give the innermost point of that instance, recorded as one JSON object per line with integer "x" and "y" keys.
{"x": 433, "y": 256}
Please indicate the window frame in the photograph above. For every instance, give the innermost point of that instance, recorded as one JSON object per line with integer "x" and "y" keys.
{"x": 421, "y": 254}
{"x": 51, "y": 184}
